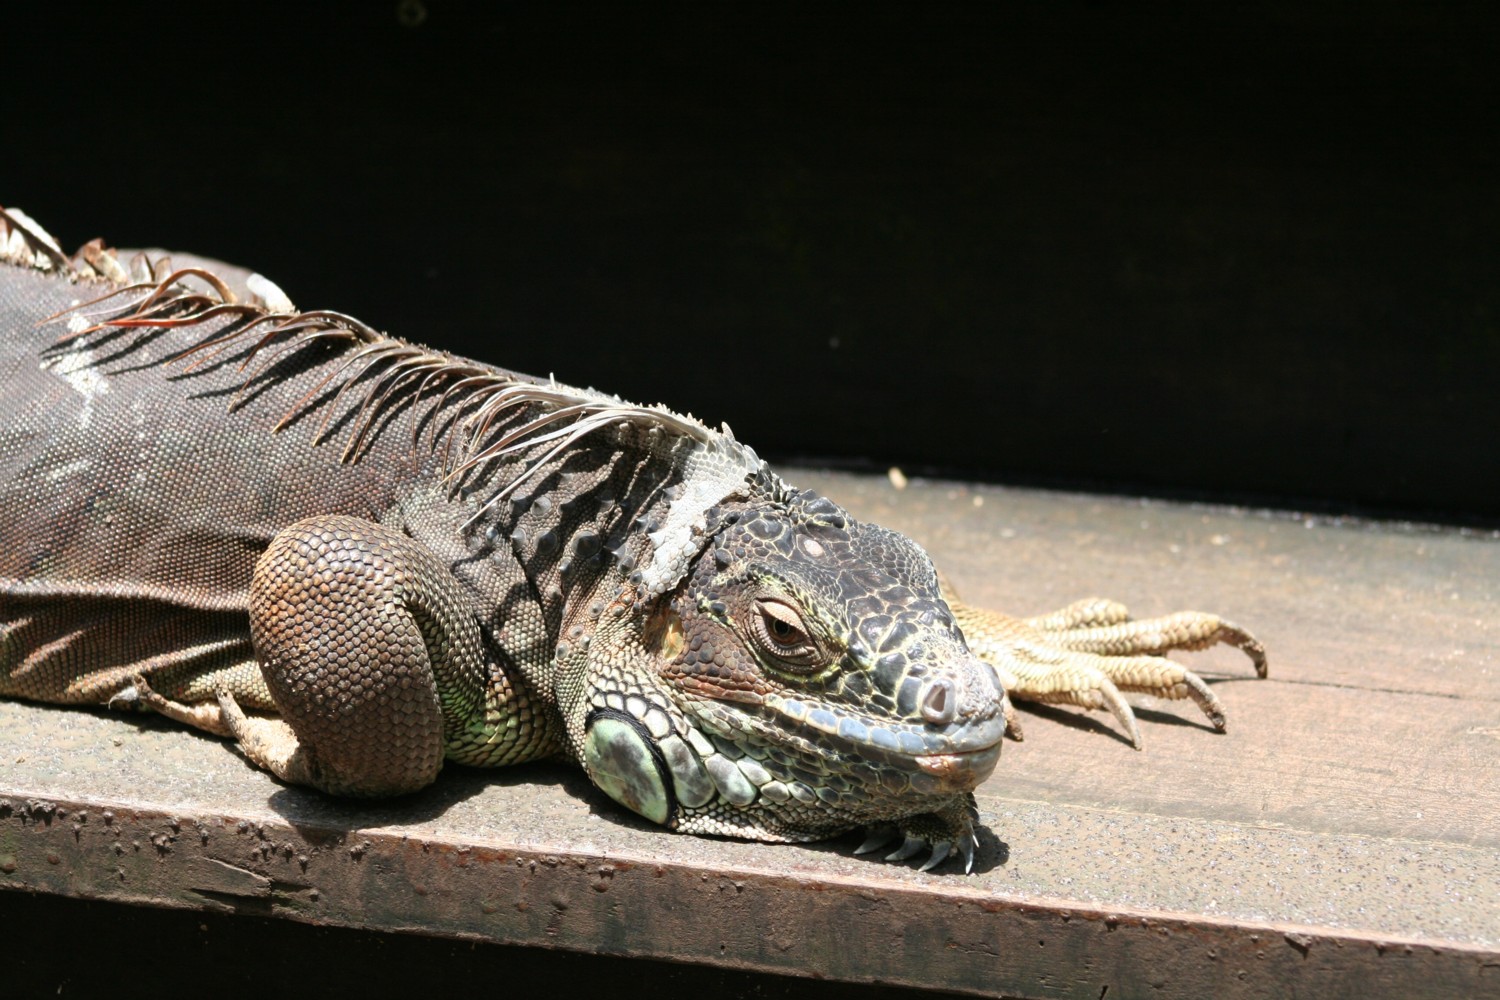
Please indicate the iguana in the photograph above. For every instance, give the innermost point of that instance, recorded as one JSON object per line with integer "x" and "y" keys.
{"x": 359, "y": 558}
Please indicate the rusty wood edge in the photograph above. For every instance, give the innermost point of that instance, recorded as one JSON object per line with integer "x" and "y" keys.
{"x": 954, "y": 938}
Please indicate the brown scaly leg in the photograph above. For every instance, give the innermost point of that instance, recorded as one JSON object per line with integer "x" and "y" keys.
{"x": 1090, "y": 652}
{"x": 372, "y": 655}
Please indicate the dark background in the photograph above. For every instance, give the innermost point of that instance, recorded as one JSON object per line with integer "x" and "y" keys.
{"x": 1233, "y": 251}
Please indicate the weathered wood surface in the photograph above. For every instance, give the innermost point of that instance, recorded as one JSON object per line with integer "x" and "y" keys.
{"x": 1340, "y": 839}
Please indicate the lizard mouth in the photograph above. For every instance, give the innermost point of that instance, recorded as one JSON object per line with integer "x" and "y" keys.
{"x": 935, "y": 761}
{"x": 959, "y": 772}
{"x": 893, "y": 739}
{"x": 932, "y": 762}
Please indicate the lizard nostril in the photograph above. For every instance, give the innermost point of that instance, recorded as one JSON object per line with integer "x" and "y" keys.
{"x": 939, "y": 703}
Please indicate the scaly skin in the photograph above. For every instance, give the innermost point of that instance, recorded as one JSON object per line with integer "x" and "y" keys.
{"x": 359, "y": 558}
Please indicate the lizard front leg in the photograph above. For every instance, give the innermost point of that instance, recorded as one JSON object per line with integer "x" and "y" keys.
{"x": 371, "y": 654}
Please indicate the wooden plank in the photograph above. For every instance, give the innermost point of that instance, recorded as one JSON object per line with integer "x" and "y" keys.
{"x": 1336, "y": 760}
{"x": 1338, "y": 839}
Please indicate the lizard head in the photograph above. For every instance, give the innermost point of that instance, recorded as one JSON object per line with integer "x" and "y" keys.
{"x": 821, "y": 676}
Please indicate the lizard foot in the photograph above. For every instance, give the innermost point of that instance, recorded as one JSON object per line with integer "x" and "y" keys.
{"x": 203, "y": 715}
{"x": 949, "y": 830}
{"x": 268, "y": 743}
{"x": 1092, "y": 652}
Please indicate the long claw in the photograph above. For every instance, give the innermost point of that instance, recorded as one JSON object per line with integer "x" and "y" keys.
{"x": 966, "y": 850}
{"x": 939, "y": 855}
{"x": 1199, "y": 692}
{"x": 1235, "y": 636}
{"x": 875, "y": 841}
{"x": 909, "y": 848}
{"x": 1120, "y": 708}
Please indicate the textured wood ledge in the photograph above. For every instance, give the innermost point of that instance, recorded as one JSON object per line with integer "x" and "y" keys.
{"x": 1340, "y": 839}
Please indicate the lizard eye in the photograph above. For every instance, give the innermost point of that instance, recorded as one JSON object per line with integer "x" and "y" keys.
{"x": 781, "y": 634}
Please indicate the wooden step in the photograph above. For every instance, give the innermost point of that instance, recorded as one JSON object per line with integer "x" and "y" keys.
{"x": 1342, "y": 838}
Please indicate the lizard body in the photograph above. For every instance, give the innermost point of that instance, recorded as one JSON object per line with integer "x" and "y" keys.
{"x": 359, "y": 558}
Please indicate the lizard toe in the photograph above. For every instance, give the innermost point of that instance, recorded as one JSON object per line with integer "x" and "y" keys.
{"x": 877, "y": 837}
